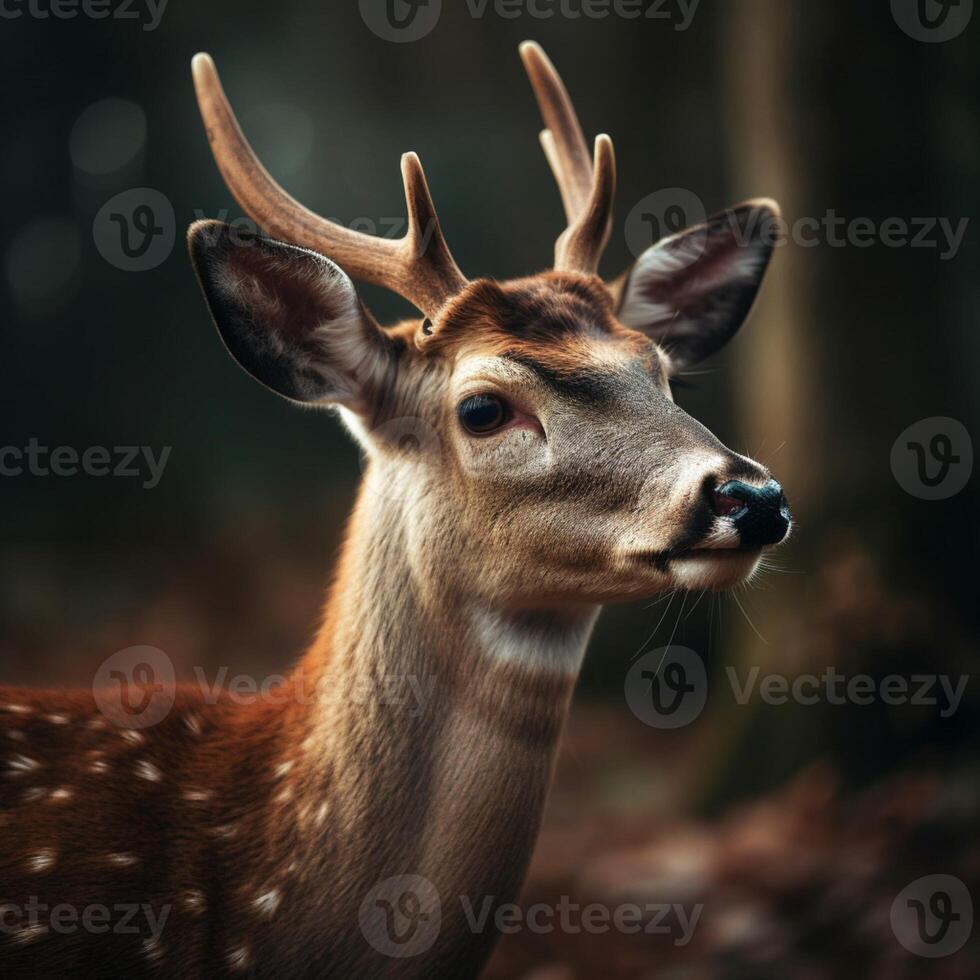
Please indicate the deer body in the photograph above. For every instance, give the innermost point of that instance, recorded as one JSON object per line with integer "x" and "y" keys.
{"x": 281, "y": 816}
{"x": 547, "y": 470}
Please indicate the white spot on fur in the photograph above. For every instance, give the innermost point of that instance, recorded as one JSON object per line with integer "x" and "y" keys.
{"x": 152, "y": 949}
{"x": 57, "y": 719}
{"x": 20, "y": 764}
{"x": 123, "y": 860}
{"x": 99, "y": 767}
{"x": 96, "y": 724}
{"x": 61, "y": 794}
{"x": 284, "y": 795}
{"x": 267, "y": 903}
{"x": 282, "y": 769}
{"x": 18, "y": 709}
{"x": 225, "y": 831}
{"x": 146, "y": 770}
{"x": 132, "y": 736}
{"x": 43, "y": 860}
{"x": 321, "y": 814}
{"x": 33, "y": 794}
{"x": 193, "y": 724}
{"x": 193, "y": 900}
{"x": 239, "y": 957}
{"x": 29, "y": 933}
{"x": 197, "y": 795}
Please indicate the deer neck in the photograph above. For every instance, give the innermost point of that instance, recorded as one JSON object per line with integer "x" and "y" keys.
{"x": 433, "y": 726}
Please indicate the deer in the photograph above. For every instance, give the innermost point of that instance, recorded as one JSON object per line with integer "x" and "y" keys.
{"x": 526, "y": 464}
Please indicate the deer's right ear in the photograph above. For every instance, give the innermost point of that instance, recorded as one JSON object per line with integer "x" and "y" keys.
{"x": 291, "y": 318}
{"x": 692, "y": 291}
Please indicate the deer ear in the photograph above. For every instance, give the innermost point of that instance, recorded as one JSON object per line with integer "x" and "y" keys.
{"x": 692, "y": 291}
{"x": 290, "y": 317}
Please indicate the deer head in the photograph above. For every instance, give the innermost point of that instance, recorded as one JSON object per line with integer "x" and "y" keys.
{"x": 523, "y": 431}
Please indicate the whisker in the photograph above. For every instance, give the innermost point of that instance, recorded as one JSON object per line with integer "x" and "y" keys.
{"x": 776, "y": 450}
{"x": 695, "y": 606}
{"x": 748, "y": 619}
{"x": 673, "y": 633}
{"x": 673, "y": 592}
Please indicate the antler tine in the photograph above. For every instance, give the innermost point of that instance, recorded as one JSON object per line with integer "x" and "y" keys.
{"x": 424, "y": 241}
{"x": 587, "y": 186}
{"x": 419, "y": 266}
{"x": 564, "y": 142}
{"x": 580, "y": 246}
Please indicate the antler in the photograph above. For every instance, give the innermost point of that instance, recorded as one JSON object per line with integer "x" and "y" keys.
{"x": 418, "y": 267}
{"x": 587, "y": 185}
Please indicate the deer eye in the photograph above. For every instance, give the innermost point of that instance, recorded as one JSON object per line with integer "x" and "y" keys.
{"x": 482, "y": 414}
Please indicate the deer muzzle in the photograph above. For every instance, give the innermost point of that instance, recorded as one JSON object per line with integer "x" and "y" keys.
{"x": 760, "y": 514}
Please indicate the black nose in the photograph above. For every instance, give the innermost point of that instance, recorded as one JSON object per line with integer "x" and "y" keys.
{"x": 760, "y": 514}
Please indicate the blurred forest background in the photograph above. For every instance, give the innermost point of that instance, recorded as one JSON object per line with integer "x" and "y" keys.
{"x": 796, "y": 825}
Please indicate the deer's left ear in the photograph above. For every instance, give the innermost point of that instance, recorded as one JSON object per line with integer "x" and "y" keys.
{"x": 291, "y": 318}
{"x": 692, "y": 291}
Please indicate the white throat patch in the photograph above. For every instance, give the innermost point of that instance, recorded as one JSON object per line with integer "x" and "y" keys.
{"x": 546, "y": 643}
